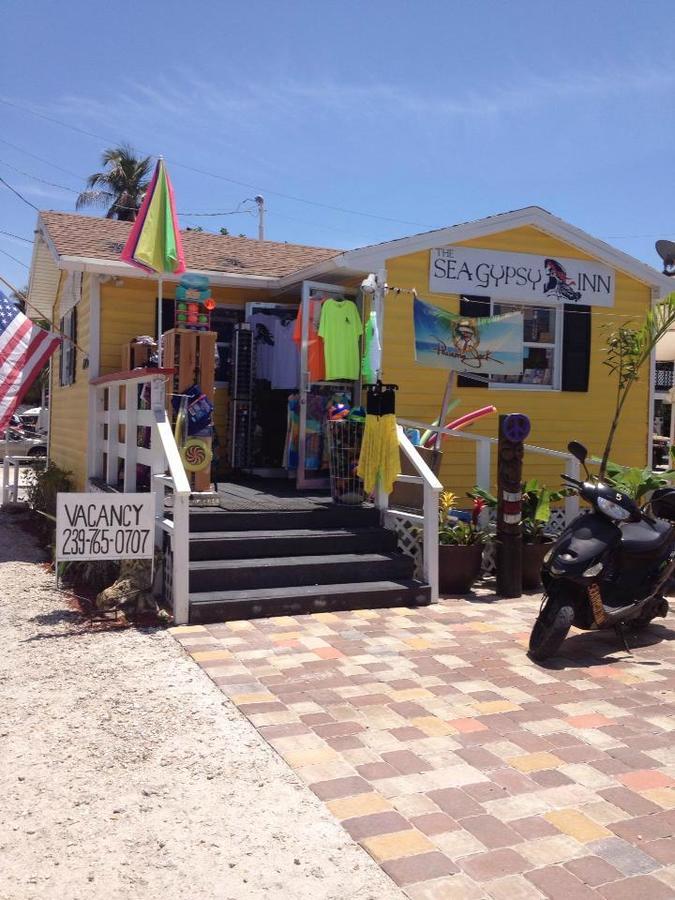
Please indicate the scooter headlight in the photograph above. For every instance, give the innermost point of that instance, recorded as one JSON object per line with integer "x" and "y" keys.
{"x": 592, "y": 571}
{"x": 612, "y": 510}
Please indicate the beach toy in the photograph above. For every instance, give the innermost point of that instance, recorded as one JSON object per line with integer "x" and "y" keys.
{"x": 467, "y": 419}
{"x": 338, "y": 411}
{"x": 196, "y": 455}
{"x": 427, "y": 435}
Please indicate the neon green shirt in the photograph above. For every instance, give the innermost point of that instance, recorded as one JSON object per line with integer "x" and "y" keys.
{"x": 340, "y": 327}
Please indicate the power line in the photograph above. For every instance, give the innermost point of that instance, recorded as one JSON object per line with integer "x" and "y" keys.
{"x": 245, "y": 184}
{"x": 41, "y": 159}
{"x": 17, "y": 236}
{"x": 19, "y": 261}
{"x": 231, "y": 212}
{"x": 37, "y": 178}
{"x": 20, "y": 196}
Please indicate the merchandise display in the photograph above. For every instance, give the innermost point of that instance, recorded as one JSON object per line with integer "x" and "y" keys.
{"x": 340, "y": 327}
{"x": 372, "y": 350}
{"x": 315, "y": 353}
{"x": 379, "y": 461}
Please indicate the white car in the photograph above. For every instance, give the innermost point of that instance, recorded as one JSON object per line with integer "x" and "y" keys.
{"x": 22, "y": 444}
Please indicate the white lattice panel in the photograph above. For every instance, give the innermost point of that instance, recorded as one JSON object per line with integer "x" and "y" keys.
{"x": 409, "y": 534}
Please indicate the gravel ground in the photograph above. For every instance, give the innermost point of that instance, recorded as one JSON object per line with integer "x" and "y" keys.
{"x": 124, "y": 773}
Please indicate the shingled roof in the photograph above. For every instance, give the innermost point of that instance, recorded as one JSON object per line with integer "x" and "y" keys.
{"x": 103, "y": 239}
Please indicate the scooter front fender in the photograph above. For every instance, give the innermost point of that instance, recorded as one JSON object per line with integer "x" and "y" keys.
{"x": 584, "y": 543}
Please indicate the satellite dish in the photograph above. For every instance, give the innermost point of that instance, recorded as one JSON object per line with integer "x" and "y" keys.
{"x": 666, "y": 250}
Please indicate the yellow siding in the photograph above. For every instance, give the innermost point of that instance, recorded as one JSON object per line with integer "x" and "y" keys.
{"x": 556, "y": 416}
{"x": 69, "y": 405}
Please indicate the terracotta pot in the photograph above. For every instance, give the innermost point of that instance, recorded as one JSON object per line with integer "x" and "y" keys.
{"x": 533, "y": 557}
{"x": 458, "y": 567}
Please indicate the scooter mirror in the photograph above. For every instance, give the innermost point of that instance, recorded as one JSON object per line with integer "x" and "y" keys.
{"x": 578, "y": 451}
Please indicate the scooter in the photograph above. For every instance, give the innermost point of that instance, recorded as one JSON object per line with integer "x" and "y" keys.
{"x": 610, "y": 566}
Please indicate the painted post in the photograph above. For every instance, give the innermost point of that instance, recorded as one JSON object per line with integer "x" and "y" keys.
{"x": 513, "y": 429}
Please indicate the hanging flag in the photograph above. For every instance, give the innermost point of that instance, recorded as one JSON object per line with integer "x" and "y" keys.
{"x": 490, "y": 346}
{"x": 154, "y": 243}
{"x": 24, "y": 349}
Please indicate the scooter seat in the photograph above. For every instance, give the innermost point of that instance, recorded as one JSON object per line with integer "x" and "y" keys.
{"x": 645, "y": 537}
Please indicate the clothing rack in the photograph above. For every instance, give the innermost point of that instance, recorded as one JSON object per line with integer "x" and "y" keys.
{"x": 379, "y": 387}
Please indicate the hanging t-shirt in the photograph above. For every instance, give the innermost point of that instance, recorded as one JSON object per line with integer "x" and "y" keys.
{"x": 340, "y": 327}
{"x": 315, "y": 359}
{"x": 263, "y": 326}
{"x": 285, "y": 373}
{"x": 372, "y": 351}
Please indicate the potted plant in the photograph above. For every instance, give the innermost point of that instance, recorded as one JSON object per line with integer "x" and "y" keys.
{"x": 536, "y": 513}
{"x": 460, "y": 550}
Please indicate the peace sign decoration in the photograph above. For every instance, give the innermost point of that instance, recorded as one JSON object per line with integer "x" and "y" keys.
{"x": 516, "y": 427}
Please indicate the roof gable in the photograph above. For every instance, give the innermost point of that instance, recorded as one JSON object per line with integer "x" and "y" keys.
{"x": 375, "y": 256}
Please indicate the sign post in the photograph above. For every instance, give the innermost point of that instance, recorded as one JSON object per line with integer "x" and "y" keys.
{"x": 513, "y": 429}
{"x": 105, "y": 526}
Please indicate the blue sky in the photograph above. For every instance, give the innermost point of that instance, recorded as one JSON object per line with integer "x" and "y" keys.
{"x": 405, "y": 115}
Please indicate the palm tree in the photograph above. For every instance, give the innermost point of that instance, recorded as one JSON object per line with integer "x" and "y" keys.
{"x": 121, "y": 186}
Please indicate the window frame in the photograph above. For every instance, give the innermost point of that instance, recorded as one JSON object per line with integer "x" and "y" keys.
{"x": 556, "y": 346}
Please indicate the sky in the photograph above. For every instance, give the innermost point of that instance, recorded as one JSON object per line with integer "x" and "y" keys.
{"x": 358, "y": 122}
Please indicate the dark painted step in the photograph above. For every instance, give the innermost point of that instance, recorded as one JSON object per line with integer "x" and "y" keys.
{"x": 221, "y": 606}
{"x": 277, "y": 572}
{"x": 302, "y": 542}
{"x": 329, "y": 516}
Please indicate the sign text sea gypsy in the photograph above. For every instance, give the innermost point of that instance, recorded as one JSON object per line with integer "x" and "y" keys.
{"x": 521, "y": 276}
{"x": 105, "y": 526}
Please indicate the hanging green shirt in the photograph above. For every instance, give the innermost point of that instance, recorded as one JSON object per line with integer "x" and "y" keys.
{"x": 340, "y": 327}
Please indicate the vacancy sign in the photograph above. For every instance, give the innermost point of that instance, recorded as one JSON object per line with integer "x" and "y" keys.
{"x": 105, "y": 526}
{"x": 520, "y": 276}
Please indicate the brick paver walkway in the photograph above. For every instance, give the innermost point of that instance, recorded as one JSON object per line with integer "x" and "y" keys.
{"x": 464, "y": 769}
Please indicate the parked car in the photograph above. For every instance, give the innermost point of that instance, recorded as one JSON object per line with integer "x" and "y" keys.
{"x": 35, "y": 420}
{"x": 22, "y": 444}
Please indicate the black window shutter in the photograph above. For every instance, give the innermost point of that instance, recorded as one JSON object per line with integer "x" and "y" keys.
{"x": 474, "y": 308}
{"x": 73, "y": 346}
{"x": 576, "y": 349}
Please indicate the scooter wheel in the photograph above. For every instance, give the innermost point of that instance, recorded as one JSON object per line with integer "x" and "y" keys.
{"x": 550, "y": 629}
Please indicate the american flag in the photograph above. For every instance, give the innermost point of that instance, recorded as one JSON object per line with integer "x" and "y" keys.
{"x": 24, "y": 349}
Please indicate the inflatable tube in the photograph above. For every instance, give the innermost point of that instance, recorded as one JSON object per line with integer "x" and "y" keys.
{"x": 466, "y": 419}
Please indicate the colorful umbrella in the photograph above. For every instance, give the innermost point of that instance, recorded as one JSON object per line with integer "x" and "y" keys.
{"x": 154, "y": 243}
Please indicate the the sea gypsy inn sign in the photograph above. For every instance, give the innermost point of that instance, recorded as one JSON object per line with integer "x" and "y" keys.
{"x": 520, "y": 276}
{"x": 105, "y": 526}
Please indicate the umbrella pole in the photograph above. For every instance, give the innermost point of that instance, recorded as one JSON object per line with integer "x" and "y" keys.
{"x": 159, "y": 322}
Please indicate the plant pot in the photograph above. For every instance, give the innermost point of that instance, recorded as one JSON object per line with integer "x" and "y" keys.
{"x": 533, "y": 557}
{"x": 458, "y": 567}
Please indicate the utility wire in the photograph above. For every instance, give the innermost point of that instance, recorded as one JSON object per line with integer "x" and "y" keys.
{"x": 19, "y": 261}
{"x": 245, "y": 184}
{"x": 20, "y": 196}
{"x": 17, "y": 236}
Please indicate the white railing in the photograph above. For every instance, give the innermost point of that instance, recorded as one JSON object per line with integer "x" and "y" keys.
{"x": 484, "y": 459}
{"x": 428, "y": 520}
{"x": 126, "y": 402}
{"x": 11, "y": 471}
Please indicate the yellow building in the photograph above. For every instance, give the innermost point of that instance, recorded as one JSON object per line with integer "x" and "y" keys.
{"x": 486, "y": 267}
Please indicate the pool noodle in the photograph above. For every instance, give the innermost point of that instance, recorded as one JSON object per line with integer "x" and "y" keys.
{"x": 466, "y": 419}
{"x": 429, "y": 434}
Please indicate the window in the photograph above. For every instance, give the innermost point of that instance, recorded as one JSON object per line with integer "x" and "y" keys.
{"x": 542, "y": 343}
{"x": 68, "y": 354}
